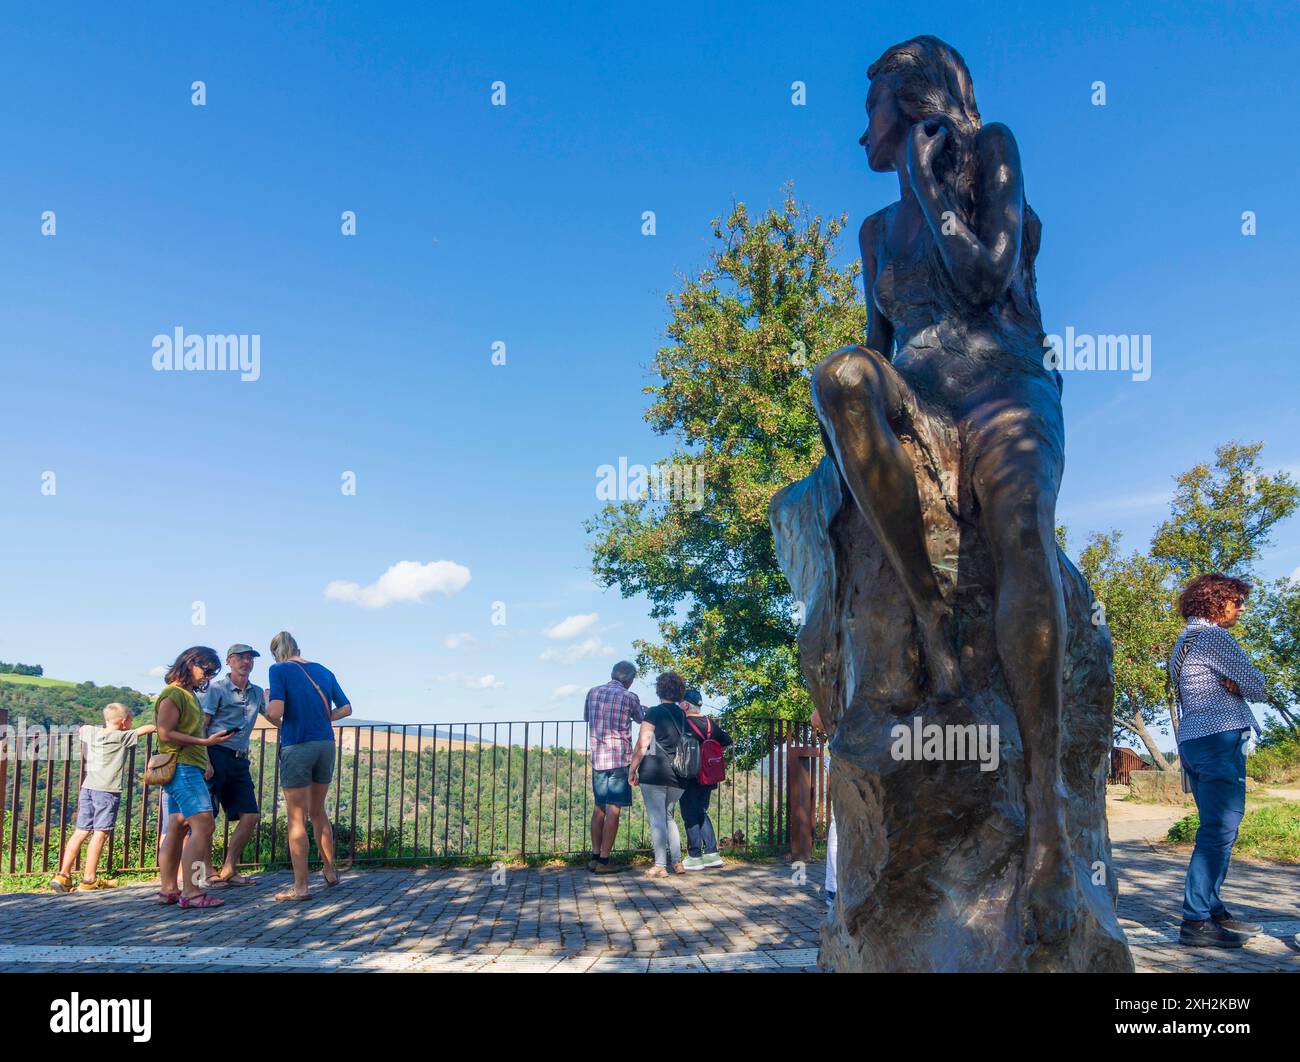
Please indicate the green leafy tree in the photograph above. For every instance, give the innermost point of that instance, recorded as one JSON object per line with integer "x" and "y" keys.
{"x": 733, "y": 392}
{"x": 21, "y": 669}
{"x": 1272, "y": 635}
{"x": 1221, "y": 519}
{"x": 1137, "y": 599}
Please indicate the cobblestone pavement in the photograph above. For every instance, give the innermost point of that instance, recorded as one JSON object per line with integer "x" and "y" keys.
{"x": 1150, "y": 905}
{"x": 747, "y": 916}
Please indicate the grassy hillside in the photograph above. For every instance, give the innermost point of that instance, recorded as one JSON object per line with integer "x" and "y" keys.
{"x": 35, "y": 680}
{"x": 56, "y": 702}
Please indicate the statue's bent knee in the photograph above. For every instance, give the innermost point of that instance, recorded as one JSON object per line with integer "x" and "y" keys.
{"x": 847, "y": 372}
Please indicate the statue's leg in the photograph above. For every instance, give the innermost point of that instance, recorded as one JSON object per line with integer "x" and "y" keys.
{"x": 1015, "y": 478}
{"x": 856, "y": 392}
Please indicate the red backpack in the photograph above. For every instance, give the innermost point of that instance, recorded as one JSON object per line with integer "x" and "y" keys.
{"x": 712, "y": 768}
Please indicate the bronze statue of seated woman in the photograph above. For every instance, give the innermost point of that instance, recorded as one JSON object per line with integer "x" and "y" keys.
{"x": 954, "y": 326}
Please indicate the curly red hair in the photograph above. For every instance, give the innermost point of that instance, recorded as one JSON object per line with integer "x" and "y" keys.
{"x": 1207, "y": 596}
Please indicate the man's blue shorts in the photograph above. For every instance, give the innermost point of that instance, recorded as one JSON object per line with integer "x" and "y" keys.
{"x": 611, "y": 787}
{"x": 187, "y": 793}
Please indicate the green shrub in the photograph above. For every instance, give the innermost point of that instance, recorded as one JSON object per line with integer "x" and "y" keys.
{"x": 1184, "y": 830}
{"x": 1277, "y": 760}
{"x": 1269, "y": 832}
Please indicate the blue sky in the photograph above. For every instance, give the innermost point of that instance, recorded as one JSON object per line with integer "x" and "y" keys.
{"x": 522, "y": 224}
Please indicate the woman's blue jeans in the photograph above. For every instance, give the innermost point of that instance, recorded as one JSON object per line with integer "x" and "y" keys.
{"x": 1216, "y": 767}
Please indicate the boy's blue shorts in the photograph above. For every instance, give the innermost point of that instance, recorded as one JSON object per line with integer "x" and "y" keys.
{"x": 97, "y": 809}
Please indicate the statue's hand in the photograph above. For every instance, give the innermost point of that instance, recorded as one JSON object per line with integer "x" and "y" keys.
{"x": 924, "y": 143}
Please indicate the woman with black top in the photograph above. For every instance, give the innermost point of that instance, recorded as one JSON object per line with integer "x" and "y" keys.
{"x": 701, "y": 842}
{"x": 652, "y": 769}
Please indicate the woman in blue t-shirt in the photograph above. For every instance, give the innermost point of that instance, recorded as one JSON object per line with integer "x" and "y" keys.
{"x": 304, "y": 701}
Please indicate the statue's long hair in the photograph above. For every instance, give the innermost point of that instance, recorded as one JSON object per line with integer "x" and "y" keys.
{"x": 931, "y": 83}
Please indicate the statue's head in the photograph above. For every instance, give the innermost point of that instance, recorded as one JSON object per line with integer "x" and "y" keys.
{"x": 921, "y": 80}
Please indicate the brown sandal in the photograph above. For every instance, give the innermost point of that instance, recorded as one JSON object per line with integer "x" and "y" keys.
{"x": 291, "y": 897}
{"x": 237, "y": 879}
{"x": 200, "y": 900}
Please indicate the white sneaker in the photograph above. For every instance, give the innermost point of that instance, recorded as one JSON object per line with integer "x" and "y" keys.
{"x": 693, "y": 863}
{"x": 712, "y": 859}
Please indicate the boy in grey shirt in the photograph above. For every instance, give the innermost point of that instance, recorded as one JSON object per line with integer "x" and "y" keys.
{"x": 105, "y": 750}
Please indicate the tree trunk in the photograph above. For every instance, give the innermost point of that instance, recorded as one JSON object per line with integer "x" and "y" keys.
{"x": 1136, "y": 727}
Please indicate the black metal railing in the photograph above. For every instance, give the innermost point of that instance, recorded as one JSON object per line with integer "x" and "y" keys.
{"x": 403, "y": 794}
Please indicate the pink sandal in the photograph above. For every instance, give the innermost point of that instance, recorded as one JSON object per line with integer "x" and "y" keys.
{"x": 166, "y": 898}
{"x": 201, "y": 900}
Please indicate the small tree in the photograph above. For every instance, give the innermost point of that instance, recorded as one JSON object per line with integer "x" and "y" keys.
{"x": 1272, "y": 634}
{"x": 733, "y": 391}
{"x": 1136, "y": 595}
{"x": 1220, "y": 520}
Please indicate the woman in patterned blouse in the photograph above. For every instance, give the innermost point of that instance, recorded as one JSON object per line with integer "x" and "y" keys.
{"x": 1213, "y": 681}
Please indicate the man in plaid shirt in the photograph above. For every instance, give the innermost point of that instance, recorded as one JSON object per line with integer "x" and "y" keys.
{"x": 610, "y": 711}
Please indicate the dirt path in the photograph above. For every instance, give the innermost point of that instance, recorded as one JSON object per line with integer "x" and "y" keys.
{"x": 1141, "y": 822}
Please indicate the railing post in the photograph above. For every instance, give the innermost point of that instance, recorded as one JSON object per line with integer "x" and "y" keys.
{"x": 799, "y": 796}
{"x": 771, "y": 782}
{"x": 523, "y": 827}
{"x": 4, "y": 775}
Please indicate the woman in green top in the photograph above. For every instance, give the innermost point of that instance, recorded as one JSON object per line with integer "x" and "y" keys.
{"x": 180, "y": 730}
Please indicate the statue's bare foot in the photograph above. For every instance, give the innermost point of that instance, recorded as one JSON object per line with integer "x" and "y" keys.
{"x": 941, "y": 663}
{"x": 1049, "y": 889}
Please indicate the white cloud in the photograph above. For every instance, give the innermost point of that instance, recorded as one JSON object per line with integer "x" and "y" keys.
{"x": 456, "y": 641}
{"x": 472, "y": 682}
{"x": 404, "y": 581}
{"x": 565, "y": 692}
{"x": 1295, "y": 576}
{"x": 157, "y": 672}
{"x": 572, "y": 626}
{"x": 571, "y": 654}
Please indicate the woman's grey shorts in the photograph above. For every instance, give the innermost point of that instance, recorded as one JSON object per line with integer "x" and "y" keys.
{"x": 310, "y": 763}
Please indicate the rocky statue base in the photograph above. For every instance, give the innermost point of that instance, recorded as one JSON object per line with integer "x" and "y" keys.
{"x": 930, "y": 864}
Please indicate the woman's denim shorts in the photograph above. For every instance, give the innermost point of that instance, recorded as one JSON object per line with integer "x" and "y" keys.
{"x": 187, "y": 793}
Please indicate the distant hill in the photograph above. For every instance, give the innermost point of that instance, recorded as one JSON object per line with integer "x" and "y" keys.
{"x": 57, "y": 702}
{"x": 34, "y": 680}
{"x": 428, "y": 730}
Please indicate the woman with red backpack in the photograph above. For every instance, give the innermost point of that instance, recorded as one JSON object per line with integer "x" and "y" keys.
{"x": 701, "y": 842}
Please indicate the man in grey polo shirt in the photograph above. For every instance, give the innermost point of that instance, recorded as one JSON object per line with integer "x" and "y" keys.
{"x": 232, "y": 702}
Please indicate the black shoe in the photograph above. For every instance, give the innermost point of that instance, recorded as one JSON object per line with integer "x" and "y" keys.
{"x": 1235, "y": 925}
{"x": 1209, "y": 935}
